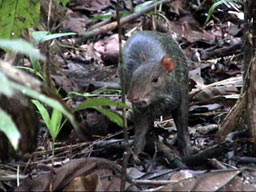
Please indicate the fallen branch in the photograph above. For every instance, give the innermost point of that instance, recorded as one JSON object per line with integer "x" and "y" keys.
{"x": 111, "y": 26}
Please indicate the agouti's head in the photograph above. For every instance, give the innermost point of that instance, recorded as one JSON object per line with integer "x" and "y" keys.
{"x": 149, "y": 81}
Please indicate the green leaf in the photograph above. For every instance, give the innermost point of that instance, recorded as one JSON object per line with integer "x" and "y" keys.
{"x": 116, "y": 118}
{"x": 91, "y": 94}
{"x": 42, "y": 36}
{"x": 108, "y": 16}
{"x": 83, "y": 94}
{"x": 9, "y": 128}
{"x": 55, "y": 123}
{"x": 96, "y": 102}
{"x": 43, "y": 111}
{"x": 36, "y": 65}
{"x": 5, "y": 88}
{"x": 64, "y": 2}
{"x": 32, "y": 71}
{"x": 38, "y": 36}
{"x": 102, "y": 90}
{"x": 143, "y": 5}
{"x": 213, "y": 7}
{"x": 47, "y": 100}
{"x": 17, "y": 15}
{"x": 102, "y": 17}
{"x": 21, "y": 46}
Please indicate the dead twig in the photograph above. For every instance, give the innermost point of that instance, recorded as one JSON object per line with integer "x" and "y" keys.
{"x": 49, "y": 15}
{"x": 111, "y": 26}
{"x": 170, "y": 155}
{"x": 221, "y": 52}
{"x": 121, "y": 65}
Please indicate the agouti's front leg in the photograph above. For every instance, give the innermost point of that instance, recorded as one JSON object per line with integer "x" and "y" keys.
{"x": 180, "y": 116}
{"x": 142, "y": 125}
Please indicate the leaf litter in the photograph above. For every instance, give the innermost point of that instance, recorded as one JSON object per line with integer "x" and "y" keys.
{"x": 215, "y": 74}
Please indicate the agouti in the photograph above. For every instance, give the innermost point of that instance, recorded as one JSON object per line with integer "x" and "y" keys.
{"x": 156, "y": 79}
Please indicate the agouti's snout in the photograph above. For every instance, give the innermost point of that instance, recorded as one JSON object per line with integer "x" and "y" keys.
{"x": 139, "y": 102}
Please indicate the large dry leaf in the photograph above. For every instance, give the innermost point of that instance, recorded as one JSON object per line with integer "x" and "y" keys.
{"x": 75, "y": 22}
{"x": 87, "y": 173}
{"x": 191, "y": 32}
{"x": 226, "y": 87}
{"x": 211, "y": 181}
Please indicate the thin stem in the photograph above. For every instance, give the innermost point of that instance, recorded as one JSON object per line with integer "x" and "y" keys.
{"x": 121, "y": 65}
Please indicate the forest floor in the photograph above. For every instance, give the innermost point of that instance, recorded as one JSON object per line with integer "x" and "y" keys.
{"x": 85, "y": 66}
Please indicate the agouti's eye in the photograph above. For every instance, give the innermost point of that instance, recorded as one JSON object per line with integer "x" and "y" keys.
{"x": 155, "y": 79}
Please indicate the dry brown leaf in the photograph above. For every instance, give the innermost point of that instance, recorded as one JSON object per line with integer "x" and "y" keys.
{"x": 211, "y": 92}
{"x": 95, "y": 173}
{"x": 108, "y": 49}
{"x": 212, "y": 181}
{"x": 178, "y": 7}
{"x": 75, "y": 22}
{"x": 191, "y": 32}
{"x": 85, "y": 183}
{"x": 95, "y": 5}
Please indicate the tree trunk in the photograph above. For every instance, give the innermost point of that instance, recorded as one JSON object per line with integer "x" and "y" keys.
{"x": 250, "y": 65}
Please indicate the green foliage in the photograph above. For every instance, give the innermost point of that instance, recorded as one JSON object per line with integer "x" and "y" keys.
{"x": 102, "y": 90}
{"x": 36, "y": 67}
{"x": 102, "y": 17}
{"x": 5, "y": 88}
{"x": 56, "y": 105}
{"x": 42, "y": 36}
{"x": 111, "y": 115}
{"x": 105, "y": 16}
{"x": 53, "y": 123}
{"x": 47, "y": 100}
{"x": 6, "y": 123}
{"x": 9, "y": 128}
{"x": 26, "y": 48}
{"x": 215, "y": 5}
{"x": 99, "y": 103}
{"x": 21, "y": 46}
{"x": 17, "y": 15}
{"x": 64, "y": 2}
{"x": 36, "y": 72}
{"x": 91, "y": 94}
{"x": 143, "y": 5}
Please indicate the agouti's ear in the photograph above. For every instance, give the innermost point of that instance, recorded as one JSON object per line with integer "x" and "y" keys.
{"x": 168, "y": 63}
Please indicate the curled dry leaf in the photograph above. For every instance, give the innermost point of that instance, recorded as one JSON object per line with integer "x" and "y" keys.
{"x": 88, "y": 173}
